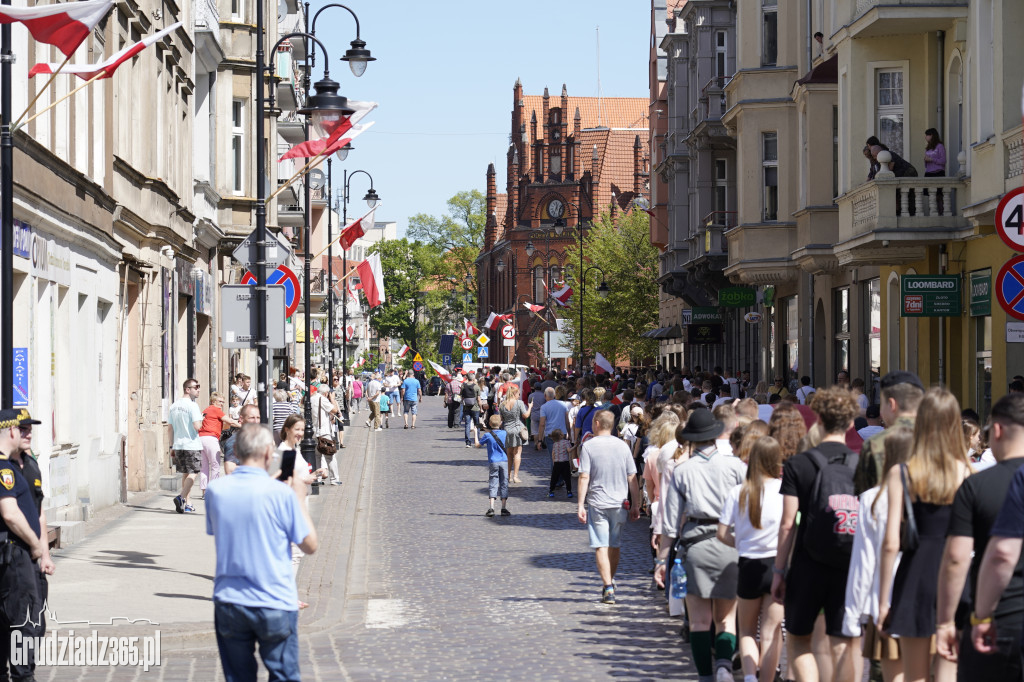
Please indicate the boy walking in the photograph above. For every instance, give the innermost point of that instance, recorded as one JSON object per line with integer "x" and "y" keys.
{"x": 560, "y": 470}
{"x": 497, "y": 463}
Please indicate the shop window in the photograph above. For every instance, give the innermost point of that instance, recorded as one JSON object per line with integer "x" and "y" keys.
{"x": 841, "y": 329}
{"x": 873, "y": 334}
{"x": 792, "y": 337}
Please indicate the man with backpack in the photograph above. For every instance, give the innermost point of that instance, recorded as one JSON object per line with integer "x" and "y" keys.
{"x": 818, "y": 483}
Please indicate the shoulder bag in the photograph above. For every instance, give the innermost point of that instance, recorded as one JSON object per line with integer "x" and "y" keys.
{"x": 909, "y": 539}
{"x": 324, "y": 445}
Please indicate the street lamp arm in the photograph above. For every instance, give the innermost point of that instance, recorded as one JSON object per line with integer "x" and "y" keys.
{"x": 335, "y": 4}
{"x": 355, "y": 172}
{"x": 300, "y": 34}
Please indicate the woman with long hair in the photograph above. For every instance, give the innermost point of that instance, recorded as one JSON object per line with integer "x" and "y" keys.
{"x": 513, "y": 411}
{"x": 787, "y": 426}
{"x": 661, "y": 433}
{"x": 750, "y": 523}
{"x": 937, "y": 466}
{"x": 746, "y": 436}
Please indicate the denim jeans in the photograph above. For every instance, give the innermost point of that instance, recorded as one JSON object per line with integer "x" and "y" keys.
{"x": 470, "y": 419}
{"x": 239, "y": 628}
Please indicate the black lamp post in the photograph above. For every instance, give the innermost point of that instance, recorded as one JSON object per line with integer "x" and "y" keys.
{"x": 7, "y": 226}
{"x": 602, "y": 289}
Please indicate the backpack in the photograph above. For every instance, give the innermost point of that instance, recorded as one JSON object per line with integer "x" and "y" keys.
{"x": 357, "y": 389}
{"x": 831, "y": 518}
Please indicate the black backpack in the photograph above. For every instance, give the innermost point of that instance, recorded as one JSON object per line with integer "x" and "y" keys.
{"x": 831, "y": 518}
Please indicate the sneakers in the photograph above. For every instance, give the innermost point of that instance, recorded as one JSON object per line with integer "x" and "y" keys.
{"x": 608, "y": 594}
{"x": 489, "y": 513}
{"x": 335, "y": 482}
{"x": 190, "y": 509}
{"x": 723, "y": 674}
{"x": 467, "y": 445}
{"x": 378, "y": 429}
{"x": 179, "y": 504}
{"x": 551, "y": 494}
{"x": 505, "y": 512}
{"x": 568, "y": 496}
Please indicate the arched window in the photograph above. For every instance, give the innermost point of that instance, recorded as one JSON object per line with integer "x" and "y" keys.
{"x": 539, "y": 293}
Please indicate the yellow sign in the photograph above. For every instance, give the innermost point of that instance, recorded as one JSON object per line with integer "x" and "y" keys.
{"x": 483, "y": 339}
{"x": 418, "y": 358}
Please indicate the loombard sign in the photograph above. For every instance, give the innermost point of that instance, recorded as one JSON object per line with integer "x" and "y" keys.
{"x": 930, "y": 296}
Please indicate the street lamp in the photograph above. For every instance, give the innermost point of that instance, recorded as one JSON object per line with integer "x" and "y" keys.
{"x": 602, "y": 290}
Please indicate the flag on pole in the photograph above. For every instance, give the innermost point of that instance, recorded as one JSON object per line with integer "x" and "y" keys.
{"x": 470, "y": 329}
{"x": 493, "y": 320}
{"x": 533, "y": 308}
{"x": 562, "y": 296}
{"x": 403, "y": 350}
{"x": 316, "y": 147}
{"x": 64, "y": 25}
{"x": 441, "y": 372}
{"x": 349, "y": 332}
{"x": 355, "y": 230}
{"x": 617, "y": 400}
{"x": 601, "y": 365}
{"x": 371, "y": 276}
{"x": 325, "y": 146}
{"x": 359, "y": 363}
{"x": 106, "y": 68}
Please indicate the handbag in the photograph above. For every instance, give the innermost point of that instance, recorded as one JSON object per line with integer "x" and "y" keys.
{"x": 324, "y": 445}
{"x": 909, "y": 538}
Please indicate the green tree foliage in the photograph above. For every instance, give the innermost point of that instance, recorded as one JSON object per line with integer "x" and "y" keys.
{"x": 405, "y": 266}
{"x": 613, "y": 325}
{"x": 458, "y": 235}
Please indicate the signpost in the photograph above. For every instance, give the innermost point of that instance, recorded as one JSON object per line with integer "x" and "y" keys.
{"x": 508, "y": 333}
{"x": 687, "y": 316}
{"x": 286, "y": 278}
{"x": 446, "y": 359}
{"x": 930, "y": 295}
{"x": 1010, "y": 287}
{"x": 483, "y": 339}
{"x": 467, "y": 358}
{"x": 417, "y": 366}
{"x": 482, "y": 352}
{"x": 278, "y": 251}
{"x": 20, "y": 375}
{"x": 467, "y": 343}
{"x": 1010, "y": 219}
{"x": 238, "y": 321}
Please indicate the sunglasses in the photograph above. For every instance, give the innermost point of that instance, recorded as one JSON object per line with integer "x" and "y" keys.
{"x": 25, "y": 429}
{"x": 194, "y": 386}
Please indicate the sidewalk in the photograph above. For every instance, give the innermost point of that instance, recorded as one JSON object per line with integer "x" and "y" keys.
{"x": 152, "y": 568}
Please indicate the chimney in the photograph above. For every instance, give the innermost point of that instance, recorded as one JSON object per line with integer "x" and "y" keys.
{"x": 491, "y": 230}
{"x": 512, "y": 188}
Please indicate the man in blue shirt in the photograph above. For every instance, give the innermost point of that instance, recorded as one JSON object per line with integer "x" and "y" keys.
{"x": 254, "y": 520}
{"x": 411, "y": 390}
{"x": 497, "y": 463}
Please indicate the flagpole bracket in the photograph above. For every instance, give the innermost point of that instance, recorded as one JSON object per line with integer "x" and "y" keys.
{"x": 9, "y": 58}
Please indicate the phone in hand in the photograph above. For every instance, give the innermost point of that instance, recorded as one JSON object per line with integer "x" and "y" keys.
{"x": 287, "y": 465}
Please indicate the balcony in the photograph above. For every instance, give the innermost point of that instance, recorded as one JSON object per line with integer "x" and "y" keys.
{"x": 892, "y": 220}
{"x": 876, "y": 18}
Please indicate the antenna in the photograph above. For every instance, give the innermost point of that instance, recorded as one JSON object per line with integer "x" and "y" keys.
{"x": 598, "y": 30}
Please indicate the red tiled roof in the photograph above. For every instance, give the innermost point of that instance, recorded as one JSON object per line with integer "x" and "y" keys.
{"x": 612, "y": 112}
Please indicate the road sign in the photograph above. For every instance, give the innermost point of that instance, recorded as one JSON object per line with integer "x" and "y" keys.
{"x": 467, "y": 343}
{"x": 278, "y": 250}
{"x": 508, "y": 333}
{"x": 930, "y": 295}
{"x": 1010, "y": 287}
{"x": 446, "y": 359}
{"x": 417, "y": 366}
{"x": 19, "y": 373}
{"x": 483, "y": 339}
{"x": 1010, "y": 219}
{"x": 687, "y": 316}
{"x": 286, "y": 278}
{"x": 482, "y": 352}
{"x": 417, "y": 358}
{"x": 508, "y": 342}
{"x": 467, "y": 358}
{"x": 238, "y": 327}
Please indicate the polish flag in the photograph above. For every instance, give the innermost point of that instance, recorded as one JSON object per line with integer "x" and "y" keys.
{"x": 493, "y": 320}
{"x": 64, "y": 25}
{"x": 562, "y": 296}
{"x": 533, "y": 308}
{"x": 355, "y": 230}
{"x": 403, "y": 350}
{"x": 470, "y": 329}
{"x": 315, "y": 147}
{"x": 349, "y": 333}
{"x": 360, "y": 362}
{"x": 326, "y": 146}
{"x": 601, "y": 365}
{"x": 372, "y": 278}
{"x": 106, "y": 68}
{"x": 440, "y": 371}
{"x": 617, "y": 400}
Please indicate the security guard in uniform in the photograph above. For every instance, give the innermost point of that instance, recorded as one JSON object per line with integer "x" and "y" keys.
{"x": 21, "y": 547}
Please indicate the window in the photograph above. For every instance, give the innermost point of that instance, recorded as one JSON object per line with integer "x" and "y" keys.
{"x": 539, "y": 294}
{"x": 835, "y": 152}
{"x": 555, "y": 275}
{"x": 841, "y": 329}
{"x": 555, "y": 162}
{"x": 889, "y": 109}
{"x": 873, "y": 333}
{"x": 720, "y": 58}
{"x": 721, "y": 174}
{"x": 770, "y": 167}
{"x": 793, "y": 334}
{"x": 236, "y": 9}
{"x": 769, "y": 33}
{"x": 237, "y": 145}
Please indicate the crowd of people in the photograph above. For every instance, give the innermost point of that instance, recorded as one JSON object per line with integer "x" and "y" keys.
{"x": 865, "y": 529}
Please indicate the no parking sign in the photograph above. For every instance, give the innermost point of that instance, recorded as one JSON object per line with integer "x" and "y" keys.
{"x": 1010, "y": 287}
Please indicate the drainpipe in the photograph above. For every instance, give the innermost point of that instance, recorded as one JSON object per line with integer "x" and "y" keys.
{"x": 940, "y": 67}
{"x": 810, "y": 37}
{"x": 943, "y": 260}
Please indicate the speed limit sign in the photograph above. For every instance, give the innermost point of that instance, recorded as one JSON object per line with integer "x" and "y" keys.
{"x": 1010, "y": 219}
{"x": 508, "y": 332}
{"x": 467, "y": 344}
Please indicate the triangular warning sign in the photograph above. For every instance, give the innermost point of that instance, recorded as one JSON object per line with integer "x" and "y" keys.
{"x": 418, "y": 358}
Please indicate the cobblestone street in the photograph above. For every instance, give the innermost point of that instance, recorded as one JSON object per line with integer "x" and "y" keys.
{"x": 437, "y": 591}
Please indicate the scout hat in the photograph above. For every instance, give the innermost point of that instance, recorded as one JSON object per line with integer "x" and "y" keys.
{"x": 701, "y": 426}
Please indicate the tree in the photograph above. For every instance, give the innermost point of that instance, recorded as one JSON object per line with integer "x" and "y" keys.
{"x": 405, "y": 266}
{"x": 459, "y": 235}
{"x": 622, "y": 249}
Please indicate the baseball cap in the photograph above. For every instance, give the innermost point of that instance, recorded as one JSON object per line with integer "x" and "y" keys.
{"x": 901, "y": 376}
{"x": 873, "y": 412}
{"x": 20, "y": 417}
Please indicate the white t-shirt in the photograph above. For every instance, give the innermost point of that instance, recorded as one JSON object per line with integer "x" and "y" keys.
{"x": 734, "y": 387}
{"x": 721, "y": 401}
{"x": 751, "y": 542}
{"x": 724, "y": 447}
{"x": 804, "y": 393}
{"x": 862, "y": 400}
{"x": 869, "y": 431}
{"x": 391, "y": 383}
{"x": 764, "y": 412}
{"x": 246, "y": 396}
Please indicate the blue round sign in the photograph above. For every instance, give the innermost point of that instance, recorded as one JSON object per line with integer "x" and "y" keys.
{"x": 1010, "y": 287}
{"x": 417, "y": 366}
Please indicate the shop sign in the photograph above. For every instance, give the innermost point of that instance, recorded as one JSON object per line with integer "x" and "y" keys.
{"x": 981, "y": 293}
{"x": 50, "y": 260}
{"x": 737, "y": 297}
{"x": 768, "y": 297}
{"x": 705, "y": 315}
{"x": 930, "y": 295}
{"x": 703, "y": 334}
{"x": 22, "y": 239}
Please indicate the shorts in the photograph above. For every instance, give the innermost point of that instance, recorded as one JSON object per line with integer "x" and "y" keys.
{"x": 187, "y": 461}
{"x": 409, "y": 406}
{"x": 605, "y": 526}
{"x": 812, "y": 588}
{"x": 755, "y": 577}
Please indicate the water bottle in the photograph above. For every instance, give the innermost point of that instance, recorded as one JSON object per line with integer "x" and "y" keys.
{"x": 678, "y": 580}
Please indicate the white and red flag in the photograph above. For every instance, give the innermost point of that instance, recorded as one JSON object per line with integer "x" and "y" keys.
{"x": 360, "y": 362}
{"x": 64, "y": 25}
{"x": 441, "y": 372}
{"x": 494, "y": 319}
{"x": 349, "y": 332}
{"x": 355, "y": 230}
{"x": 617, "y": 400}
{"x": 601, "y": 365}
{"x": 371, "y": 277}
{"x": 562, "y": 296}
{"x": 325, "y": 146}
{"x": 403, "y": 350}
{"x": 470, "y": 329}
{"x": 106, "y": 68}
{"x": 532, "y": 307}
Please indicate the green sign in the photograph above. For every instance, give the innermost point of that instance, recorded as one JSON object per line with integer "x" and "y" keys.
{"x": 930, "y": 296}
{"x": 705, "y": 316}
{"x": 768, "y": 297}
{"x": 981, "y": 293}
{"x": 737, "y": 297}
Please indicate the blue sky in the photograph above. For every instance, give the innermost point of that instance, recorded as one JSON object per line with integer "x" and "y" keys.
{"x": 444, "y": 76}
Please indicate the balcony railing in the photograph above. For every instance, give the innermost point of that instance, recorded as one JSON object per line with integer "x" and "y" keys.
{"x": 712, "y": 95}
{"x": 902, "y": 204}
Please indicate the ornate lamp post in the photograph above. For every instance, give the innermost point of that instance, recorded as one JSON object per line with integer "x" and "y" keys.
{"x": 602, "y": 289}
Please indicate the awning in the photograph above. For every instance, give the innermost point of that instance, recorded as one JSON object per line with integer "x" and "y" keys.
{"x": 673, "y": 332}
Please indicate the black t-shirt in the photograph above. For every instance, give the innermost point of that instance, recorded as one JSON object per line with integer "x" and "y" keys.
{"x": 798, "y": 474}
{"x": 34, "y": 477}
{"x": 13, "y": 484}
{"x": 469, "y": 392}
{"x": 975, "y": 508}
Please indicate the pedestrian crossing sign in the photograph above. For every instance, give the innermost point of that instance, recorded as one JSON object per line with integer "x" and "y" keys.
{"x": 467, "y": 358}
{"x": 418, "y": 358}
{"x": 482, "y": 352}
